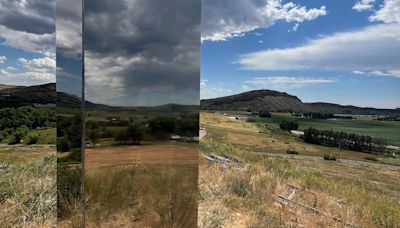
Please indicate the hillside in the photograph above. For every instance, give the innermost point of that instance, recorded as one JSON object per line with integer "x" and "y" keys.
{"x": 274, "y": 101}
{"x": 350, "y": 109}
{"x": 16, "y": 96}
{"x": 256, "y": 100}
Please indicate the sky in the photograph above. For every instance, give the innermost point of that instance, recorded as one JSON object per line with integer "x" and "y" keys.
{"x": 345, "y": 52}
{"x": 27, "y": 42}
{"x": 142, "y": 52}
{"x": 148, "y": 52}
{"x": 69, "y": 46}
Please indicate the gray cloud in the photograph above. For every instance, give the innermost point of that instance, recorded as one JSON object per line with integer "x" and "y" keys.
{"x": 142, "y": 48}
{"x": 28, "y": 25}
{"x": 69, "y": 28}
{"x": 33, "y": 16}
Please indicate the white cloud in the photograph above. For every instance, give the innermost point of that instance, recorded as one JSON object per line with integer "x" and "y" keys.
{"x": 390, "y": 73}
{"x": 39, "y": 63}
{"x": 29, "y": 42}
{"x": 3, "y": 59}
{"x": 285, "y": 80}
{"x": 358, "y": 72}
{"x": 364, "y": 5}
{"x": 388, "y": 13}
{"x": 32, "y": 71}
{"x": 294, "y": 28}
{"x": 224, "y": 19}
{"x": 283, "y": 83}
{"x": 26, "y": 78}
{"x": 376, "y": 47}
{"x": 208, "y": 91}
{"x": 11, "y": 68}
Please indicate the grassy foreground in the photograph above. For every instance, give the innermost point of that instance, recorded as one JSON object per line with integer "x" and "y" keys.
{"x": 28, "y": 193}
{"x": 141, "y": 197}
{"x": 356, "y": 194}
{"x": 152, "y": 185}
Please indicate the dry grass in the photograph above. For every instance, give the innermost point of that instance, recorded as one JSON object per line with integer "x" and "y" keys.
{"x": 261, "y": 138}
{"x": 28, "y": 194}
{"x": 156, "y": 154}
{"x": 142, "y": 186}
{"x": 248, "y": 199}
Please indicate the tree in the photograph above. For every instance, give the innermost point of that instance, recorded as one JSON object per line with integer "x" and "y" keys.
{"x": 136, "y": 133}
{"x": 121, "y": 136}
{"x": 32, "y": 139}
{"x": 264, "y": 114}
{"x": 93, "y": 136}
{"x": 288, "y": 125}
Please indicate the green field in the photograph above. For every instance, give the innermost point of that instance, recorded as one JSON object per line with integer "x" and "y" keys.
{"x": 389, "y": 130}
{"x": 45, "y": 136}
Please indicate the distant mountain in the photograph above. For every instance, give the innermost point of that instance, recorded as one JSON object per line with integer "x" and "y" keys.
{"x": 274, "y": 101}
{"x": 350, "y": 109}
{"x": 256, "y": 100}
{"x": 16, "y": 96}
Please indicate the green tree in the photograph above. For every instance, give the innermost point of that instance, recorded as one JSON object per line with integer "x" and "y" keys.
{"x": 289, "y": 125}
{"x": 93, "y": 136}
{"x": 136, "y": 133}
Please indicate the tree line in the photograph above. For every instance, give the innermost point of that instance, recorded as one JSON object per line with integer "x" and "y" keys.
{"x": 157, "y": 128}
{"x": 31, "y": 117}
{"x": 17, "y": 122}
{"x": 344, "y": 140}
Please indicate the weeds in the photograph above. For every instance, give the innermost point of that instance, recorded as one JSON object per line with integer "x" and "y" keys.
{"x": 256, "y": 190}
{"x": 28, "y": 194}
{"x": 144, "y": 196}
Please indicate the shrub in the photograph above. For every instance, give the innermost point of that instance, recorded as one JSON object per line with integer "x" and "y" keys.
{"x": 63, "y": 145}
{"x": 264, "y": 114}
{"x": 330, "y": 157}
{"x": 251, "y": 120}
{"x": 240, "y": 187}
{"x": 289, "y": 125}
{"x": 292, "y": 152}
{"x": 32, "y": 139}
{"x": 372, "y": 159}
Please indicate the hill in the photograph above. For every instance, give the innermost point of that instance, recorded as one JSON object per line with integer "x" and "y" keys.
{"x": 274, "y": 101}
{"x": 256, "y": 100}
{"x": 16, "y": 96}
{"x": 350, "y": 109}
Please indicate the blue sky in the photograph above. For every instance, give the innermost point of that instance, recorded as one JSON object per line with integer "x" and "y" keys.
{"x": 345, "y": 52}
{"x": 27, "y": 42}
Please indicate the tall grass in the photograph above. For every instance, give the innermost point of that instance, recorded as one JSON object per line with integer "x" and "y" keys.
{"x": 69, "y": 203}
{"x": 266, "y": 177}
{"x": 142, "y": 196}
{"x": 28, "y": 194}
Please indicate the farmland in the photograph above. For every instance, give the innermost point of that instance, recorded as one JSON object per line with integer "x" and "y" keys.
{"x": 359, "y": 193}
{"x": 268, "y": 139}
{"x": 389, "y": 130}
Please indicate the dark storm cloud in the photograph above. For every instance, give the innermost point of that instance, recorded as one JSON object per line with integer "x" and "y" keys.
{"x": 31, "y": 16}
{"x": 146, "y": 45}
